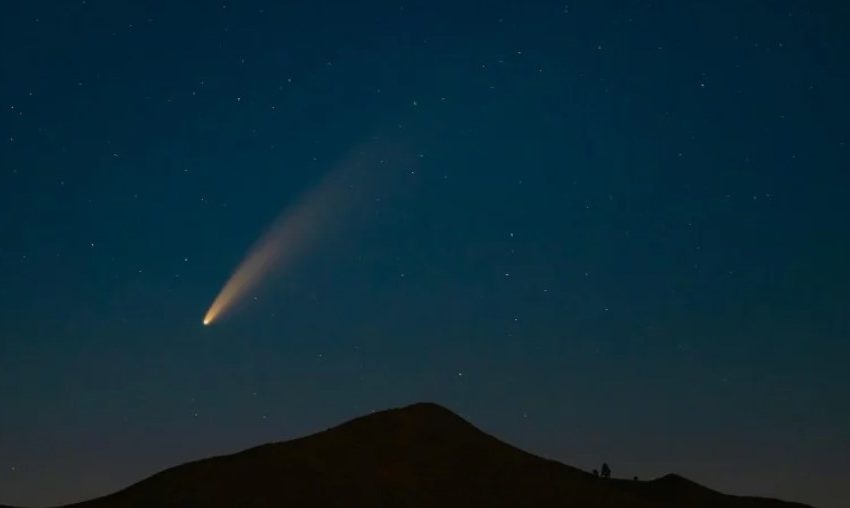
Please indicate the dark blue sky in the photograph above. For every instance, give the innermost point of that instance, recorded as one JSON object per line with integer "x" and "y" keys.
{"x": 603, "y": 231}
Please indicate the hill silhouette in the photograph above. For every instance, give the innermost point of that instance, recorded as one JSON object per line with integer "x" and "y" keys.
{"x": 417, "y": 456}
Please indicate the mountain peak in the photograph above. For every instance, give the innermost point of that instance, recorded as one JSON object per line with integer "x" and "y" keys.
{"x": 415, "y": 421}
{"x": 425, "y": 406}
{"x": 430, "y": 411}
{"x": 421, "y": 429}
{"x": 420, "y": 409}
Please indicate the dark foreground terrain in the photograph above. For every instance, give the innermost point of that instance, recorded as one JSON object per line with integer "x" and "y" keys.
{"x": 417, "y": 456}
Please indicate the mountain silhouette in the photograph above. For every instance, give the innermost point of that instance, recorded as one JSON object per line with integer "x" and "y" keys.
{"x": 417, "y": 456}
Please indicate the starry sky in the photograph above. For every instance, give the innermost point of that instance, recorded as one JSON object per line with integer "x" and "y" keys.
{"x": 601, "y": 230}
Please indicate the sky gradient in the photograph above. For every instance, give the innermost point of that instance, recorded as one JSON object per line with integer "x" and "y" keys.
{"x": 603, "y": 231}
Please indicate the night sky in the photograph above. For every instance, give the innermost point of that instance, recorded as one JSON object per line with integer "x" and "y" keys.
{"x": 602, "y": 230}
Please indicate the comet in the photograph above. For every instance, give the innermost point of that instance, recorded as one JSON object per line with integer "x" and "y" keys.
{"x": 287, "y": 237}
{"x": 297, "y": 228}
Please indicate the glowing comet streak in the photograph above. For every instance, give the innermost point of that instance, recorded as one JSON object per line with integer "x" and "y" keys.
{"x": 292, "y": 232}
{"x": 289, "y": 234}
